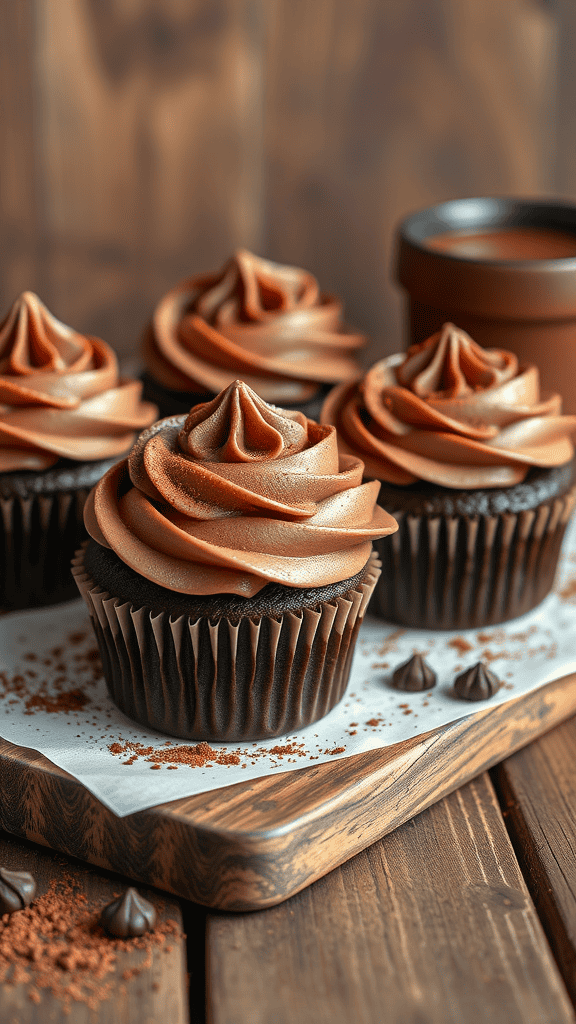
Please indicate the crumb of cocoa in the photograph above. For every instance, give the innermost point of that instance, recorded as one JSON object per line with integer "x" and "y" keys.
{"x": 489, "y": 655}
{"x": 569, "y": 590}
{"x": 67, "y": 700}
{"x": 373, "y": 722}
{"x": 77, "y": 638}
{"x": 460, "y": 644}
{"x": 335, "y": 750}
{"x": 56, "y": 946}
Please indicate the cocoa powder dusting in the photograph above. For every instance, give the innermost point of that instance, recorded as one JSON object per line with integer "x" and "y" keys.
{"x": 56, "y": 945}
{"x": 201, "y": 754}
{"x": 55, "y": 693}
{"x": 460, "y": 644}
{"x": 569, "y": 590}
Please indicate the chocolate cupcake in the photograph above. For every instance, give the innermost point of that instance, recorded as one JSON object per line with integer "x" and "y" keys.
{"x": 229, "y": 570}
{"x": 478, "y": 470}
{"x": 65, "y": 419}
{"x": 268, "y": 324}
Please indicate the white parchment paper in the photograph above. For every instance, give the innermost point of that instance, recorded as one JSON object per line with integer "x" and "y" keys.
{"x": 46, "y": 655}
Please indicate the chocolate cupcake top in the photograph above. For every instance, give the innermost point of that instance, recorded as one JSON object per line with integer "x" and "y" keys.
{"x": 451, "y": 413}
{"x": 269, "y": 324}
{"x": 237, "y": 495}
{"x": 60, "y": 393}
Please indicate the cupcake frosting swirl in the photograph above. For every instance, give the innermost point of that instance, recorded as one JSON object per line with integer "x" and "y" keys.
{"x": 60, "y": 394}
{"x": 269, "y": 324}
{"x": 451, "y": 413}
{"x": 237, "y": 495}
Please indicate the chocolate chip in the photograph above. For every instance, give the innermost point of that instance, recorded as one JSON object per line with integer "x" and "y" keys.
{"x": 476, "y": 683}
{"x": 415, "y": 674}
{"x": 129, "y": 915}
{"x": 17, "y": 890}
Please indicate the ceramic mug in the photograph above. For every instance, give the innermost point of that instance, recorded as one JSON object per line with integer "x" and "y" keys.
{"x": 502, "y": 269}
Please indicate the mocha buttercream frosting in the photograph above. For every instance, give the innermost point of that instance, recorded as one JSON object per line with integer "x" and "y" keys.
{"x": 451, "y": 413}
{"x": 234, "y": 496}
{"x": 266, "y": 323}
{"x": 60, "y": 393}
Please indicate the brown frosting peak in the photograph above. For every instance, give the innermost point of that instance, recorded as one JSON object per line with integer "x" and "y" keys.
{"x": 451, "y": 365}
{"x": 238, "y": 426}
{"x": 60, "y": 393}
{"x": 451, "y": 413}
{"x": 269, "y": 324}
{"x": 234, "y": 496}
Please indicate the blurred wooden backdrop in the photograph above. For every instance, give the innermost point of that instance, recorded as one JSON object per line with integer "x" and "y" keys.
{"x": 143, "y": 140}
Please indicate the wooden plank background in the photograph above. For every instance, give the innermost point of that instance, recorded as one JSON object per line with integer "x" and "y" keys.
{"x": 143, "y": 140}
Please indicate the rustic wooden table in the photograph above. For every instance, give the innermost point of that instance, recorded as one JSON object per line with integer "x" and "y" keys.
{"x": 466, "y": 913}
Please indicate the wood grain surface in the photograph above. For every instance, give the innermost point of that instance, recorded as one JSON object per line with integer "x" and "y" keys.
{"x": 158, "y": 993}
{"x": 375, "y": 110}
{"x": 538, "y": 791}
{"x": 143, "y": 140}
{"x": 431, "y": 925}
{"x": 256, "y": 843}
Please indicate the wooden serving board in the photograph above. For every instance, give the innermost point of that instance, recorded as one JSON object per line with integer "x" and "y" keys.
{"x": 256, "y": 843}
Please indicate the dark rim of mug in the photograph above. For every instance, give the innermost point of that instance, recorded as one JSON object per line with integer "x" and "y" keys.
{"x": 486, "y": 212}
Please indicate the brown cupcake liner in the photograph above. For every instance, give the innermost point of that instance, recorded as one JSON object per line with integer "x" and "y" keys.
{"x": 464, "y": 572}
{"x": 38, "y": 537}
{"x": 220, "y": 681}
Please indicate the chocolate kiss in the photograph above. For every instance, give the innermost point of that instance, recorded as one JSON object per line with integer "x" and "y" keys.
{"x": 17, "y": 890}
{"x": 476, "y": 683}
{"x": 415, "y": 674}
{"x": 129, "y": 915}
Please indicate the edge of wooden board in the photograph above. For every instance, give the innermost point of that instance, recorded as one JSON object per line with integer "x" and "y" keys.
{"x": 254, "y": 844}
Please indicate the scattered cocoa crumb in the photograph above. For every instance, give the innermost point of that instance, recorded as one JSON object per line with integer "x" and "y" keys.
{"x": 489, "y": 655}
{"x": 289, "y": 748}
{"x": 68, "y": 700}
{"x": 56, "y": 945}
{"x": 569, "y": 590}
{"x": 460, "y": 644}
{"x": 335, "y": 750}
{"x": 373, "y": 721}
{"x": 201, "y": 755}
{"x": 77, "y": 638}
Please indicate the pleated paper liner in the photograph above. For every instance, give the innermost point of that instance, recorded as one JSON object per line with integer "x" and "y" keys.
{"x": 39, "y": 534}
{"x": 464, "y": 572}
{"x": 219, "y": 681}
